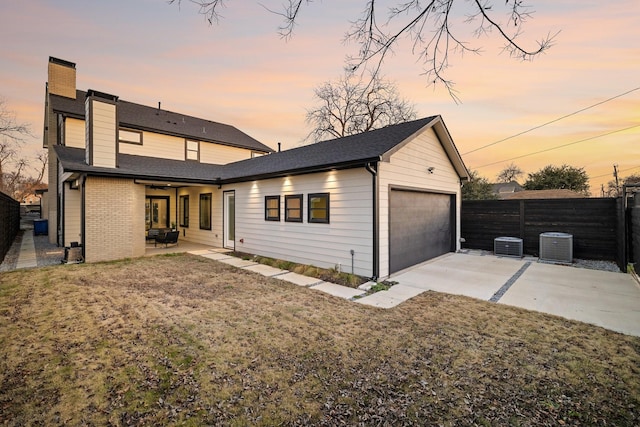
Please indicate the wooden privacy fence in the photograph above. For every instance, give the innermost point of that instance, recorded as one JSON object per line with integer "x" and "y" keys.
{"x": 597, "y": 225}
{"x": 9, "y": 223}
{"x": 633, "y": 230}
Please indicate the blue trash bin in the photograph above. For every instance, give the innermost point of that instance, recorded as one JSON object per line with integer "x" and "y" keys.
{"x": 40, "y": 226}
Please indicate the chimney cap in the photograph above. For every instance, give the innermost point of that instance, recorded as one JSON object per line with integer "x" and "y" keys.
{"x": 103, "y": 95}
{"x": 59, "y": 61}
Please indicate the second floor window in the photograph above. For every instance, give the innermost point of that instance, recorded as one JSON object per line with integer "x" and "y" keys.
{"x": 192, "y": 149}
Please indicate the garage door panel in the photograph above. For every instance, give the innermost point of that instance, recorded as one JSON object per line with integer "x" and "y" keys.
{"x": 419, "y": 227}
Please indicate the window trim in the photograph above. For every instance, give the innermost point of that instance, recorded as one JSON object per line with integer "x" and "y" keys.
{"x": 139, "y": 132}
{"x": 187, "y": 150}
{"x": 183, "y": 219}
{"x": 310, "y": 219}
{"x": 267, "y": 217}
{"x": 289, "y": 197}
{"x": 210, "y": 196}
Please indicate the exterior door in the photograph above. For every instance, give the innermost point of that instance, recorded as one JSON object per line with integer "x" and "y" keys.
{"x": 229, "y": 220}
{"x": 157, "y": 212}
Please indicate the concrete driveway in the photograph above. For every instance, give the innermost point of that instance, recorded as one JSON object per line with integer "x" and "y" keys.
{"x": 610, "y": 300}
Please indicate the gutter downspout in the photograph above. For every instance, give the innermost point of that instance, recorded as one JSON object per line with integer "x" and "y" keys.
{"x": 372, "y": 168}
{"x": 83, "y": 215}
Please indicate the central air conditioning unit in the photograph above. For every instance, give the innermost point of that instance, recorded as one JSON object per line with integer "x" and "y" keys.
{"x": 507, "y": 246}
{"x": 556, "y": 247}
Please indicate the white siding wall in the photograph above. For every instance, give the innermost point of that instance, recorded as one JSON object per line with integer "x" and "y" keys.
{"x": 74, "y": 133}
{"x": 156, "y": 145}
{"x": 222, "y": 154}
{"x": 72, "y": 214}
{"x": 408, "y": 168}
{"x": 172, "y": 147}
{"x": 104, "y": 134}
{"x": 193, "y": 233}
{"x": 322, "y": 245}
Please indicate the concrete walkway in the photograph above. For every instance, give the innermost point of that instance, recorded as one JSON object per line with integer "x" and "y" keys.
{"x": 27, "y": 257}
{"x": 602, "y": 298}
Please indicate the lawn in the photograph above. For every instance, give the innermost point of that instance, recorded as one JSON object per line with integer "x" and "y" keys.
{"x": 184, "y": 340}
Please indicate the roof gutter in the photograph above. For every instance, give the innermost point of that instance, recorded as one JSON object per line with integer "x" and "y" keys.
{"x": 301, "y": 171}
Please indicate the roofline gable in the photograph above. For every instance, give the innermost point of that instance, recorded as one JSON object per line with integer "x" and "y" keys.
{"x": 446, "y": 141}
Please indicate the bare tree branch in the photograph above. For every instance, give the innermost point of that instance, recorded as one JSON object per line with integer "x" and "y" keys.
{"x": 349, "y": 106}
{"x": 9, "y": 128}
{"x": 12, "y": 134}
{"x": 414, "y": 19}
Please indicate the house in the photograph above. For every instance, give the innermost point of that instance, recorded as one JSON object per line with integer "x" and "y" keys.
{"x": 504, "y": 190}
{"x": 379, "y": 201}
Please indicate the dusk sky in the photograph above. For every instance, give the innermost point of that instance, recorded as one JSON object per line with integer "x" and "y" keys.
{"x": 242, "y": 73}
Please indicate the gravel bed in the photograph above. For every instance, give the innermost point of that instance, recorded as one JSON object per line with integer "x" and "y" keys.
{"x": 47, "y": 253}
{"x": 11, "y": 258}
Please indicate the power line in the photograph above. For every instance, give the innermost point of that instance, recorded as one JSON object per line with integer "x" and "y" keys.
{"x": 552, "y": 121}
{"x": 608, "y": 173}
{"x": 559, "y": 146}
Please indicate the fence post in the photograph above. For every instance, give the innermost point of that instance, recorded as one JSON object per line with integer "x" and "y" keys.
{"x": 621, "y": 228}
{"x": 522, "y": 219}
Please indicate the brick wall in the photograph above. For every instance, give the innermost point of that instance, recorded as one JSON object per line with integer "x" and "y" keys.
{"x": 62, "y": 80}
{"x": 114, "y": 219}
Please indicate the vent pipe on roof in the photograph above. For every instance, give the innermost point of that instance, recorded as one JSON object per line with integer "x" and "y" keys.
{"x": 158, "y": 113}
{"x": 279, "y": 147}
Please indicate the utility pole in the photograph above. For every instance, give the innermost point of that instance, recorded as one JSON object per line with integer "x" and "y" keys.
{"x": 615, "y": 175}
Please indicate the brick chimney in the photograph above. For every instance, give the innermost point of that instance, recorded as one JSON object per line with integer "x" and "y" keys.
{"x": 101, "y": 122}
{"x": 62, "y": 78}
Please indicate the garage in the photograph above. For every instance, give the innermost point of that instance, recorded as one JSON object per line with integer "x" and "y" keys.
{"x": 421, "y": 227}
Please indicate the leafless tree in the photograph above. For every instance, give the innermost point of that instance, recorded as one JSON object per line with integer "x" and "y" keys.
{"x": 435, "y": 29}
{"x": 349, "y": 105}
{"x": 12, "y": 136}
{"x": 510, "y": 173}
{"x": 613, "y": 190}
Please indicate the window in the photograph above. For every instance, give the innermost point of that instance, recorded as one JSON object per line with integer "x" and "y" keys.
{"x": 205, "y": 211}
{"x": 293, "y": 208}
{"x": 319, "y": 208}
{"x": 184, "y": 211}
{"x": 272, "y": 208}
{"x": 130, "y": 136}
{"x": 192, "y": 150}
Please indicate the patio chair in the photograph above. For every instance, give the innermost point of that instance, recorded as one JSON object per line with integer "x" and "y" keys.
{"x": 170, "y": 237}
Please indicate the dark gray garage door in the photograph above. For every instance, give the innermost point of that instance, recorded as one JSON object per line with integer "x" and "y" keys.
{"x": 421, "y": 227}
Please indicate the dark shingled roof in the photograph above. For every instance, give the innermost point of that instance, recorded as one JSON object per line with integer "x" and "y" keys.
{"x": 334, "y": 153}
{"x": 350, "y": 151}
{"x": 141, "y": 167}
{"x": 152, "y": 119}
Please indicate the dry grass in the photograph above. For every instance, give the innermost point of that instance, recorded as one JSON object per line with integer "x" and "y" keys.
{"x": 189, "y": 341}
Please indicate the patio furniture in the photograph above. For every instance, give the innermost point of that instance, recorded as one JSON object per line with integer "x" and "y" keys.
{"x": 170, "y": 237}
{"x": 152, "y": 233}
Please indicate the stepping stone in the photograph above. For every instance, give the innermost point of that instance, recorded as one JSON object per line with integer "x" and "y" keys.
{"x": 236, "y": 262}
{"x": 266, "y": 270}
{"x": 299, "y": 279}
{"x": 338, "y": 290}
